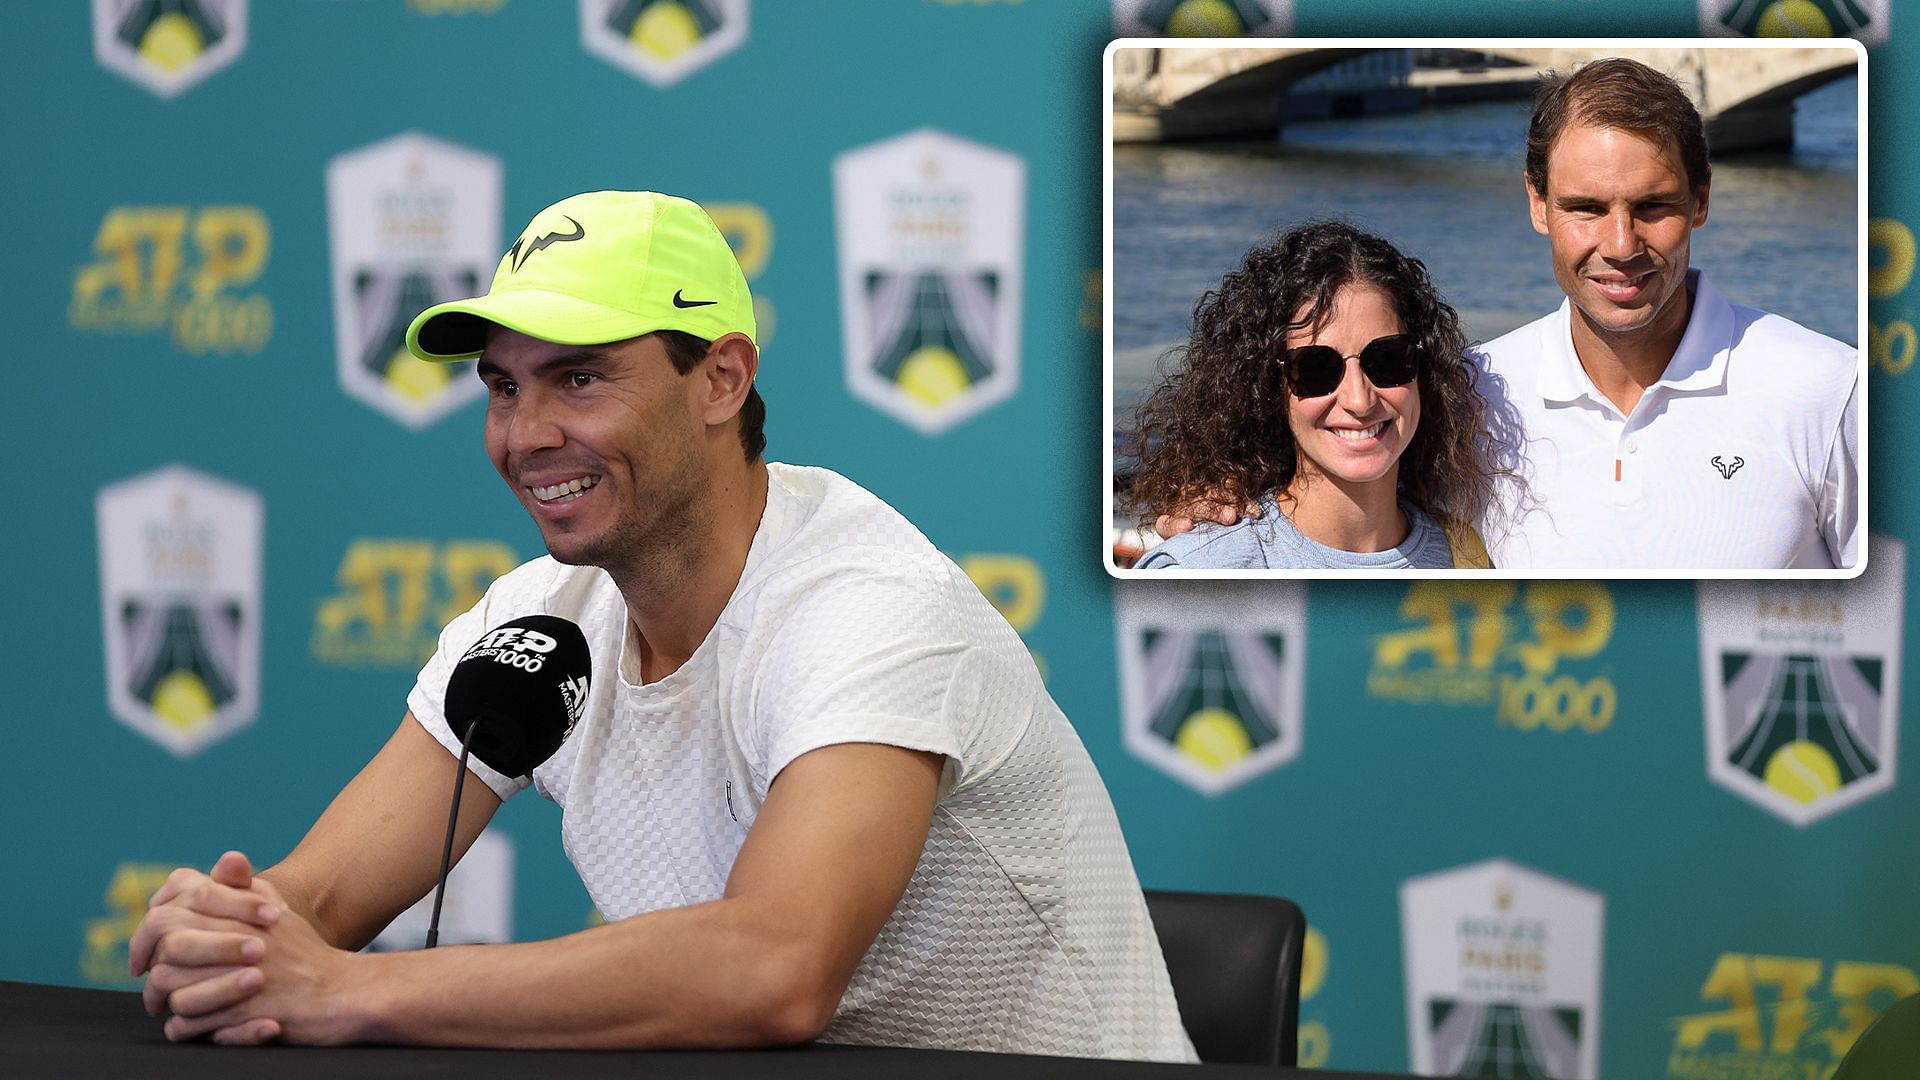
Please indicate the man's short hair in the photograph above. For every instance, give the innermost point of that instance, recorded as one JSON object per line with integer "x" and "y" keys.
{"x": 686, "y": 350}
{"x": 1617, "y": 93}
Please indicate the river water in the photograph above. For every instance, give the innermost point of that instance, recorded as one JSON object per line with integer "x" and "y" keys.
{"x": 1444, "y": 184}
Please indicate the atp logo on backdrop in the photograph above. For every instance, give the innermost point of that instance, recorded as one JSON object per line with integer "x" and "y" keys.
{"x": 749, "y": 232}
{"x": 478, "y": 908}
{"x": 1892, "y": 342}
{"x": 103, "y": 949}
{"x": 167, "y": 46}
{"x": 180, "y": 564}
{"x": 1316, "y": 1041}
{"x": 411, "y": 221}
{"x": 1785, "y": 1016}
{"x": 932, "y": 247}
{"x": 1802, "y": 686}
{"x": 1492, "y": 643}
{"x": 178, "y": 269}
{"x": 1503, "y": 972}
{"x": 396, "y": 594}
{"x": 1866, "y": 20}
{"x": 1202, "y": 18}
{"x": 1212, "y": 678}
{"x": 662, "y": 41}
{"x": 1017, "y": 589}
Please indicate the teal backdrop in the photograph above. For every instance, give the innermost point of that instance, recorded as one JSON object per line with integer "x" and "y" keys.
{"x": 179, "y": 292}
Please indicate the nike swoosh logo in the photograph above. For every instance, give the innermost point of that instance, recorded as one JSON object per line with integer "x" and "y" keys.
{"x": 681, "y": 302}
{"x": 546, "y": 241}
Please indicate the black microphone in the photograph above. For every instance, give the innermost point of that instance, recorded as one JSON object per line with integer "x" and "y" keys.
{"x": 513, "y": 699}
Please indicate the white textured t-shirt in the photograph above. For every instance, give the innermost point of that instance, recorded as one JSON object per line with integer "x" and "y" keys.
{"x": 1023, "y": 928}
{"x": 1743, "y": 456}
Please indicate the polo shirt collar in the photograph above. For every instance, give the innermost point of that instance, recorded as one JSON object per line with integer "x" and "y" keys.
{"x": 1699, "y": 363}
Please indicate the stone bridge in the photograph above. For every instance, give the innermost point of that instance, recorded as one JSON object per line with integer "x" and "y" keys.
{"x": 1745, "y": 95}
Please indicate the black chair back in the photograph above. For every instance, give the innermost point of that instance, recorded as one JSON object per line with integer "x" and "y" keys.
{"x": 1235, "y": 966}
{"x": 1890, "y": 1049}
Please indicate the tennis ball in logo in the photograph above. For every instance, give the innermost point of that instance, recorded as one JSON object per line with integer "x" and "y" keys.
{"x": 1205, "y": 18}
{"x": 933, "y": 375}
{"x": 1793, "y": 18}
{"x": 171, "y": 43}
{"x": 1802, "y": 771}
{"x": 416, "y": 379}
{"x": 182, "y": 702}
{"x": 666, "y": 30}
{"x": 1213, "y": 738}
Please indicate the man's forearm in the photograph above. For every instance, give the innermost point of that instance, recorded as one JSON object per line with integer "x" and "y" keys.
{"x": 720, "y": 974}
{"x": 309, "y": 900}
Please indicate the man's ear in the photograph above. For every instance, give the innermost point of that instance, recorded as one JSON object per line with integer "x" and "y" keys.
{"x": 729, "y": 369}
{"x": 1700, "y": 206}
{"x": 1536, "y": 205}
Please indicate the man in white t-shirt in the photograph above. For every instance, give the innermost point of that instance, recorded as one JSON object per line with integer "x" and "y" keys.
{"x": 816, "y": 787}
{"x": 1658, "y": 425}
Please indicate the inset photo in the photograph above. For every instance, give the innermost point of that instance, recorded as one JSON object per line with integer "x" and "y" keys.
{"x": 1507, "y": 308}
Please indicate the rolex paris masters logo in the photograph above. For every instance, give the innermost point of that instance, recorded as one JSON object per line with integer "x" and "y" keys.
{"x": 932, "y": 243}
{"x": 1801, "y": 681}
{"x": 1503, "y": 973}
{"x": 1211, "y": 677}
{"x": 412, "y": 221}
{"x": 180, "y": 557}
{"x": 168, "y": 46}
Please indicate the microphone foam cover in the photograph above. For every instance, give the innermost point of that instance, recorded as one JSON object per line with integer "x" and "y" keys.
{"x": 524, "y": 684}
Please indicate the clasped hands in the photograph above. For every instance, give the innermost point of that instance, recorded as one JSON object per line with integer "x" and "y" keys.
{"x": 225, "y": 955}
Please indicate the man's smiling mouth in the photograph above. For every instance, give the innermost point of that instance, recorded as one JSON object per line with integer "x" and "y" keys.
{"x": 565, "y": 490}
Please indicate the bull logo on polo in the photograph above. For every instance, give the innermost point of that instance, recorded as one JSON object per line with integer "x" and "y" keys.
{"x": 180, "y": 572}
{"x": 932, "y": 238}
{"x": 167, "y": 46}
{"x": 478, "y": 907}
{"x": 1203, "y": 18}
{"x": 1801, "y": 681}
{"x": 1866, "y": 20}
{"x": 1212, "y": 678}
{"x": 662, "y": 41}
{"x": 1503, "y": 973}
{"x": 411, "y": 221}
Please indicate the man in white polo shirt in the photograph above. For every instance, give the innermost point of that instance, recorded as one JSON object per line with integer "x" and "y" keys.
{"x": 1659, "y": 425}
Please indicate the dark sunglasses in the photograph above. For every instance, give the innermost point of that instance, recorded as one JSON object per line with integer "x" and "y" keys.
{"x": 1316, "y": 370}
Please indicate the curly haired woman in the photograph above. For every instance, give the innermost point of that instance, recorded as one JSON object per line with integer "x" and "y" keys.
{"x": 1326, "y": 382}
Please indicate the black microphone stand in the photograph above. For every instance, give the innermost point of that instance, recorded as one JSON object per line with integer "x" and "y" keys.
{"x": 446, "y": 853}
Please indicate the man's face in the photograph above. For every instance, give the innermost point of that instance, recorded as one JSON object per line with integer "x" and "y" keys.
{"x": 601, "y": 443}
{"x": 1619, "y": 215}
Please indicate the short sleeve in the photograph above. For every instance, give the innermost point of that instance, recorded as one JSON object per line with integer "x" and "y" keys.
{"x": 866, "y": 655}
{"x": 428, "y": 699}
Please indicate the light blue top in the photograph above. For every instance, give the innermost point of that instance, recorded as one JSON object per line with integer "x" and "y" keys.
{"x": 1271, "y": 542}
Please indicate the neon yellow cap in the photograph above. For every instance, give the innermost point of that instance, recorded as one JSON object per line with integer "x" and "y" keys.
{"x": 600, "y": 267}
